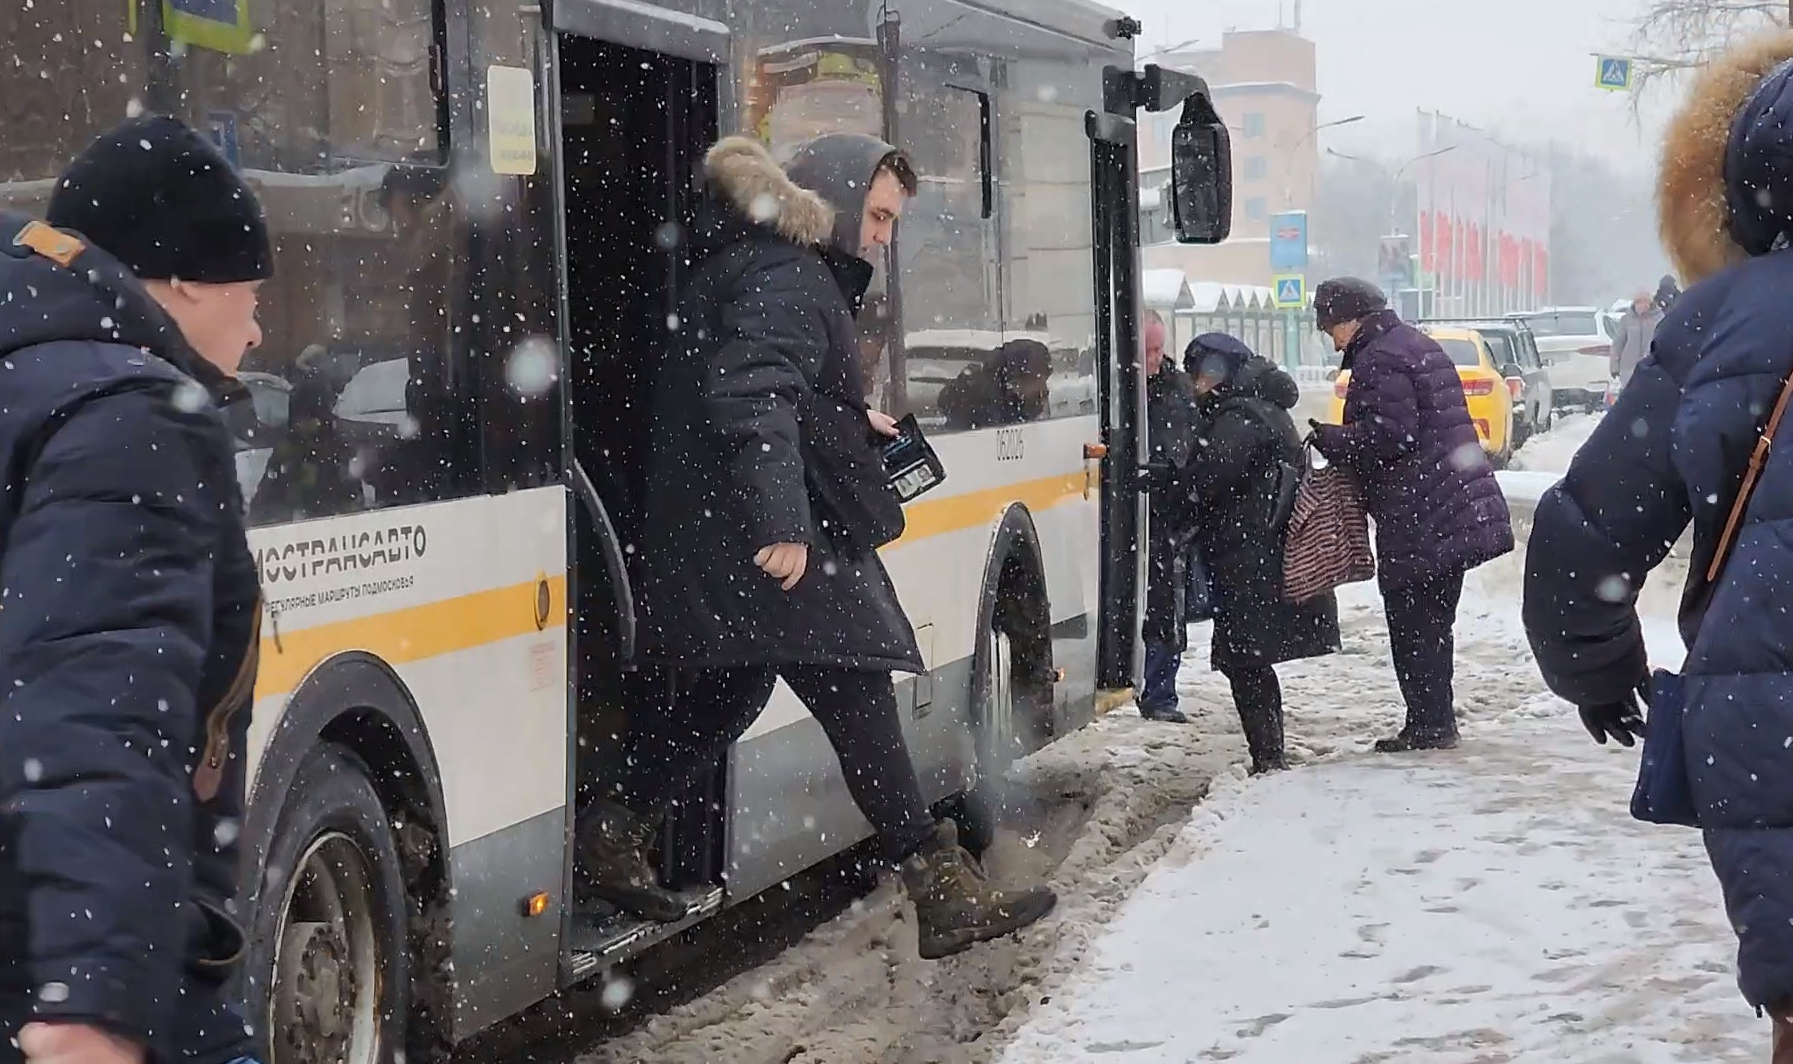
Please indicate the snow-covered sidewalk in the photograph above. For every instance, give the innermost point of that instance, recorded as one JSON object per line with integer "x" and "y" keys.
{"x": 1490, "y": 904}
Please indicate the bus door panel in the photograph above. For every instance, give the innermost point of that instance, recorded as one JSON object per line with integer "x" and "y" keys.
{"x": 1125, "y": 517}
{"x": 634, "y": 123}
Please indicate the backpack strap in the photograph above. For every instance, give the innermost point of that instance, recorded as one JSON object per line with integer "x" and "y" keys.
{"x": 1758, "y": 457}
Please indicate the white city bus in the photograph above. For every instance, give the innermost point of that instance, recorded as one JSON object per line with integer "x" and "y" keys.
{"x": 476, "y": 211}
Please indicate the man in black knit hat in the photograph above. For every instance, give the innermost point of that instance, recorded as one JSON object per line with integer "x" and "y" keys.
{"x": 130, "y": 629}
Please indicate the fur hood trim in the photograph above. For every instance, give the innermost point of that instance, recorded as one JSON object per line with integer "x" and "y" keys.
{"x": 1692, "y": 212}
{"x": 744, "y": 171}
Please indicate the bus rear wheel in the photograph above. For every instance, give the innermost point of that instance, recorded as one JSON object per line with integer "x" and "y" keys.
{"x": 980, "y": 812}
{"x": 330, "y": 942}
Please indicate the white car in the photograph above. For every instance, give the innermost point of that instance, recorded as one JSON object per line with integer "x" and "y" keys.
{"x": 1576, "y": 345}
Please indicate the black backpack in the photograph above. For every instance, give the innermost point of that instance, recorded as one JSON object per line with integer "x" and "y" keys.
{"x": 1283, "y": 479}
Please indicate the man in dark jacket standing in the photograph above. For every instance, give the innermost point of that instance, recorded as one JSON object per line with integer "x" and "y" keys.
{"x": 1170, "y": 432}
{"x": 1667, "y": 291}
{"x": 1673, "y": 452}
{"x": 760, "y": 544}
{"x": 128, "y": 644}
{"x": 1426, "y": 483}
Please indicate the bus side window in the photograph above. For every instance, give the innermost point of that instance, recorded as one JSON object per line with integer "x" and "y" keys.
{"x": 51, "y": 102}
{"x": 338, "y": 118}
{"x": 947, "y": 257}
{"x": 1043, "y": 205}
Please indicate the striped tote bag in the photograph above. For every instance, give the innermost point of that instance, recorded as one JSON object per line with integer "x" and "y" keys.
{"x": 1327, "y": 542}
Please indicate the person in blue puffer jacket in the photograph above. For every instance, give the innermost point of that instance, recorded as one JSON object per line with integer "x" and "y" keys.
{"x": 1673, "y": 452}
{"x": 130, "y": 633}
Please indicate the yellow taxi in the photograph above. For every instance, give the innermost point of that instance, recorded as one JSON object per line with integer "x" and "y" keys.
{"x": 1489, "y": 395}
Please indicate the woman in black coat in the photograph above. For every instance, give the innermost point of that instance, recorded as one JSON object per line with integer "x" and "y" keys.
{"x": 1244, "y": 439}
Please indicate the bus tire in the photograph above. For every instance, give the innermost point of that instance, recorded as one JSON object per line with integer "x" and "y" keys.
{"x": 329, "y": 964}
{"x": 981, "y": 810}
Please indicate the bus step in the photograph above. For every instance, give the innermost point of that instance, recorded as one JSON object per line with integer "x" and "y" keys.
{"x": 597, "y": 940}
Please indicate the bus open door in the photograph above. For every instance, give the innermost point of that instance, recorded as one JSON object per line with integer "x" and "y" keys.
{"x": 1201, "y": 191}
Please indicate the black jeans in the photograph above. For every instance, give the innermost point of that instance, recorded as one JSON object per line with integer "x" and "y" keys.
{"x": 673, "y": 751}
{"x": 1257, "y": 695}
{"x": 1421, "y": 619}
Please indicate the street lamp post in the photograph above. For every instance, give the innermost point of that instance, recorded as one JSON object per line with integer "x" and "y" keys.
{"x": 1394, "y": 196}
{"x": 1288, "y": 193}
{"x": 1394, "y": 199}
{"x": 1180, "y": 45}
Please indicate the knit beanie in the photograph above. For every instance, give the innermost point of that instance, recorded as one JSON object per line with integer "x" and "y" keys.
{"x": 160, "y": 198}
{"x": 1344, "y": 299}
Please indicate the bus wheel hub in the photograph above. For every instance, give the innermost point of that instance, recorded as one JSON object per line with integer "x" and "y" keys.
{"x": 316, "y": 993}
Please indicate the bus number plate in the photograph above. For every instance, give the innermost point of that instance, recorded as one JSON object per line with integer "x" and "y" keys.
{"x": 1011, "y": 445}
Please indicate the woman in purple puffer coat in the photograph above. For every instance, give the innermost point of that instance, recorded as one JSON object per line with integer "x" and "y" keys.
{"x": 1427, "y": 484}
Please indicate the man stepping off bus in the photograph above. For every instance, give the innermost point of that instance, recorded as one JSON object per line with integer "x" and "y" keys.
{"x": 768, "y": 503}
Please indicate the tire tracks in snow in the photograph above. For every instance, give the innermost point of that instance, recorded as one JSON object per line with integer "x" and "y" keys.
{"x": 1098, "y": 810}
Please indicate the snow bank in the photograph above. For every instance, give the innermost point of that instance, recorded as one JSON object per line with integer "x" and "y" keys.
{"x": 1525, "y": 487}
{"x": 1551, "y": 452}
{"x": 1541, "y": 462}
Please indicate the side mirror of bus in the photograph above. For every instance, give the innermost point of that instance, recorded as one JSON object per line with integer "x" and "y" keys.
{"x": 1201, "y": 176}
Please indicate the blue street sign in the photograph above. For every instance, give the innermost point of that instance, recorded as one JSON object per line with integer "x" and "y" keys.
{"x": 1288, "y": 241}
{"x": 1289, "y": 291}
{"x": 223, "y": 127}
{"x": 1613, "y": 73}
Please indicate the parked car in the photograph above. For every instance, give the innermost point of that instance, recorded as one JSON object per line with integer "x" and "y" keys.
{"x": 1577, "y": 350}
{"x": 1485, "y": 389}
{"x": 1515, "y": 353}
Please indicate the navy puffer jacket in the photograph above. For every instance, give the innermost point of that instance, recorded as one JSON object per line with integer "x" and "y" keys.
{"x": 1408, "y": 438}
{"x": 128, "y": 650}
{"x": 1672, "y": 452}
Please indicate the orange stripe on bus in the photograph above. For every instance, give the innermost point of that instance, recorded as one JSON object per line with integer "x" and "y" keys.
{"x": 432, "y": 629}
{"x": 974, "y": 509}
{"x": 409, "y": 634}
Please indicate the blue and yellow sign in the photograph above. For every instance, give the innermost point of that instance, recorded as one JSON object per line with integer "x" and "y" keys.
{"x": 1614, "y": 73}
{"x": 219, "y": 25}
{"x": 1289, "y": 291}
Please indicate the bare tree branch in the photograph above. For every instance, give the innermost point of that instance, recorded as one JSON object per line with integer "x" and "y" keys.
{"x": 1676, "y": 35}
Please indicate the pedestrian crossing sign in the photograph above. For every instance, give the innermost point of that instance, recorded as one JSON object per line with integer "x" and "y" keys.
{"x": 1613, "y": 73}
{"x": 1289, "y": 291}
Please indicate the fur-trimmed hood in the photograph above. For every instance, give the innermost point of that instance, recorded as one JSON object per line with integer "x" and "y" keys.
{"x": 742, "y": 172}
{"x": 1726, "y": 185}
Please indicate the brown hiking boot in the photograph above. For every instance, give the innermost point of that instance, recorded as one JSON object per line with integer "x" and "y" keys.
{"x": 955, "y": 905}
{"x": 612, "y": 854}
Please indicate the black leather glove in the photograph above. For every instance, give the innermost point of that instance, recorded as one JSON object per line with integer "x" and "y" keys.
{"x": 1620, "y": 720}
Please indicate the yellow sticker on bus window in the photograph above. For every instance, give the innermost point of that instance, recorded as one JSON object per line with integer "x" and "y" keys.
{"x": 510, "y": 119}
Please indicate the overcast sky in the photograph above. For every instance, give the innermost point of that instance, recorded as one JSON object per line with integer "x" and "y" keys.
{"x": 1519, "y": 67}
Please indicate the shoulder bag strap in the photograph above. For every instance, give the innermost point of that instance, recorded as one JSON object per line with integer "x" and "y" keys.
{"x": 1758, "y": 457}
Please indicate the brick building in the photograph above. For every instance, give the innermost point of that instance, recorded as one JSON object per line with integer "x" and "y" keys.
{"x": 1264, "y": 87}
